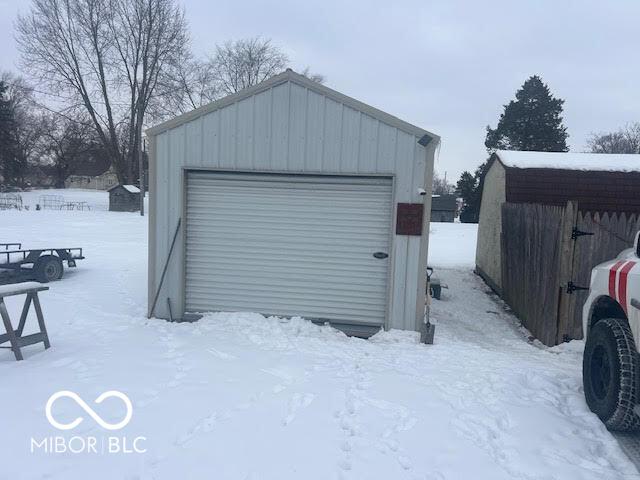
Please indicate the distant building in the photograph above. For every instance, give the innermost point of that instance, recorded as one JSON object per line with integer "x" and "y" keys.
{"x": 124, "y": 198}
{"x": 103, "y": 181}
{"x": 95, "y": 172}
{"x": 597, "y": 182}
{"x": 443, "y": 208}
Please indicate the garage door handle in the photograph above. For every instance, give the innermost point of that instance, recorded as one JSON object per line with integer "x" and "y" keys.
{"x": 380, "y": 255}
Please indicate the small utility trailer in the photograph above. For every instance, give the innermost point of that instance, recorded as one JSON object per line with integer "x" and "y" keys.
{"x": 41, "y": 264}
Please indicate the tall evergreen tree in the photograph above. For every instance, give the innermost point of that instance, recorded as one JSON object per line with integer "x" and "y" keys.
{"x": 533, "y": 121}
{"x": 469, "y": 188}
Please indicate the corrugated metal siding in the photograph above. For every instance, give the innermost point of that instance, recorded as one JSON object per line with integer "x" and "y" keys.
{"x": 288, "y": 245}
{"x": 291, "y": 128}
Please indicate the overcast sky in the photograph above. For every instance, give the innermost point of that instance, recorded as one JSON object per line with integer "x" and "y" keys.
{"x": 447, "y": 66}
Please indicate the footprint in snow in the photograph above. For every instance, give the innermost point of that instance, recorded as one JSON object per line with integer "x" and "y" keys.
{"x": 287, "y": 379}
{"x": 298, "y": 401}
{"x": 221, "y": 355}
{"x": 62, "y": 362}
{"x": 345, "y": 464}
{"x": 173, "y": 354}
{"x": 404, "y": 462}
{"x": 205, "y": 425}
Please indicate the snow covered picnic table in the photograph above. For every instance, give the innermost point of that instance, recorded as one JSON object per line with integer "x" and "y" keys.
{"x": 238, "y": 395}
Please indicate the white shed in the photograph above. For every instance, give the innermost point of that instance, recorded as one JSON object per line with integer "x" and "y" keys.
{"x": 291, "y": 199}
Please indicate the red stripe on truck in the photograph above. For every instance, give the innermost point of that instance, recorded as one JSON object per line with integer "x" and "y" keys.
{"x": 624, "y": 274}
{"x": 612, "y": 279}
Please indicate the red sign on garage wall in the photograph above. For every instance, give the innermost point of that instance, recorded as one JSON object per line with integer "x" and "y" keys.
{"x": 409, "y": 219}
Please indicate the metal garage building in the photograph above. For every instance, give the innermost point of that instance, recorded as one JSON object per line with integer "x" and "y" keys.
{"x": 290, "y": 198}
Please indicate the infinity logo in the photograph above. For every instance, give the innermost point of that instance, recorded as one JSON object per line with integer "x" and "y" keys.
{"x": 89, "y": 410}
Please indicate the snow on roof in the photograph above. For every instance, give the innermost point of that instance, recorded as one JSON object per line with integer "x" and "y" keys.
{"x": 128, "y": 188}
{"x": 131, "y": 188}
{"x": 604, "y": 162}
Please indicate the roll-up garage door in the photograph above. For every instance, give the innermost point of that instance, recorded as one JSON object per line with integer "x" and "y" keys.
{"x": 289, "y": 245}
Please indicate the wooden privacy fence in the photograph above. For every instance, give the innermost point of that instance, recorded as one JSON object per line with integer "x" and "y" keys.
{"x": 547, "y": 256}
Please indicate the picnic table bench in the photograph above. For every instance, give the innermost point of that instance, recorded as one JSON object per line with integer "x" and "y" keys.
{"x": 15, "y": 337}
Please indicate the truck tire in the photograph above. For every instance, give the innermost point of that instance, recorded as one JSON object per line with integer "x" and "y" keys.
{"x": 48, "y": 268}
{"x": 610, "y": 374}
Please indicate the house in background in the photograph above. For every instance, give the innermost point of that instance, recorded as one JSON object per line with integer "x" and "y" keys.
{"x": 597, "y": 182}
{"x": 444, "y": 208}
{"x": 93, "y": 173}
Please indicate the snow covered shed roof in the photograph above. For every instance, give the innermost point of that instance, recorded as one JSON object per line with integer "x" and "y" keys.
{"x": 603, "y": 162}
{"x": 597, "y": 182}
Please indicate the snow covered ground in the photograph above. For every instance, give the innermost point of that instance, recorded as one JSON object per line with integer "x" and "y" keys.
{"x": 452, "y": 245}
{"x": 247, "y": 397}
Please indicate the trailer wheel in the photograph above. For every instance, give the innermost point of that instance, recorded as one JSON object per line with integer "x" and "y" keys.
{"x": 610, "y": 374}
{"x": 48, "y": 268}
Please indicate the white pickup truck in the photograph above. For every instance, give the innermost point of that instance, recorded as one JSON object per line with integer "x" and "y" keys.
{"x": 611, "y": 326}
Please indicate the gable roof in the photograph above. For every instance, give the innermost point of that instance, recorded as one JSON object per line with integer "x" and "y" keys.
{"x": 291, "y": 76}
{"x": 603, "y": 162}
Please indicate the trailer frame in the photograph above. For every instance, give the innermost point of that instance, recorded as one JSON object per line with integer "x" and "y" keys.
{"x": 46, "y": 264}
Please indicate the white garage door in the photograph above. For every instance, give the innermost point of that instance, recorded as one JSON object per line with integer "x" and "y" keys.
{"x": 288, "y": 245}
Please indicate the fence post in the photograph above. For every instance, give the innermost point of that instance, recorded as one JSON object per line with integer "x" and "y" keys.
{"x": 566, "y": 251}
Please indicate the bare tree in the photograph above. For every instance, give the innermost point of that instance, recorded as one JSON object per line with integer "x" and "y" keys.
{"x": 243, "y": 63}
{"x": 441, "y": 186}
{"x": 29, "y": 125}
{"x": 189, "y": 84}
{"x": 316, "y": 77}
{"x": 625, "y": 140}
{"x": 70, "y": 146}
{"x": 235, "y": 65}
{"x": 107, "y": 56}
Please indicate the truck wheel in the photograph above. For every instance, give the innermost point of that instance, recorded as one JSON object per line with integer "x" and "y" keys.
{"x": 48, "y": 268}
{"x": 610, "y": 370}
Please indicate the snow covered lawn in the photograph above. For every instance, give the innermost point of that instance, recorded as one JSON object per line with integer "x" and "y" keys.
{"x": 247, "y": 397}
